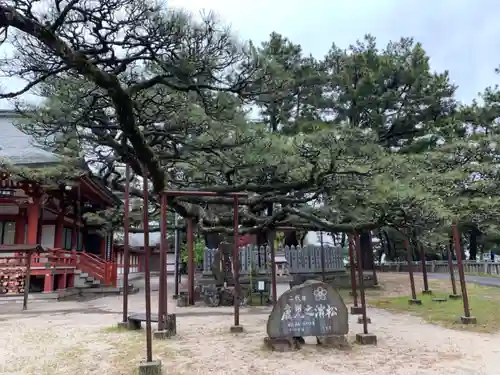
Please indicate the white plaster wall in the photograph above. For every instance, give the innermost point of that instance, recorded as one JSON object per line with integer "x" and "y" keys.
{"x": 48, "y": 235}
{"x": 170, "y": 262}
{"x": 134, "y": 263}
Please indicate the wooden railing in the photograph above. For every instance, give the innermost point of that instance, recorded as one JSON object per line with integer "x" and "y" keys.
{"x": 61, "y": 259}
{"x": 97, "y": 268}
{"x": 54, "y": 258}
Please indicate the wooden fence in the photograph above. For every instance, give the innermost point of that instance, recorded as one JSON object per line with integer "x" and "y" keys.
{"x": 289, "y": 260}
{"x": 441, "y": 266}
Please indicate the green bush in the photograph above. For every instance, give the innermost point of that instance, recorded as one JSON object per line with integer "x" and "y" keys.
{"x": 199, "y": 248}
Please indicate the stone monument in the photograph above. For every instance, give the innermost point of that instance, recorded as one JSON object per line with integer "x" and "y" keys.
{"x": 313, "y": 308}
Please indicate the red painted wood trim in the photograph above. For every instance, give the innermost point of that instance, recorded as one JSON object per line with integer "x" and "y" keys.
{"x": 33, "y": 212}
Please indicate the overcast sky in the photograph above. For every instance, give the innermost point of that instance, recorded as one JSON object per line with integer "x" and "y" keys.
{"x": 462, "y": 36}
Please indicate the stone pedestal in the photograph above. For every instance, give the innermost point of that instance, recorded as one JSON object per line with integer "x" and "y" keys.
{"x": 366, "y": 339}
{"x": 171, "y": 324}
{"x": 169, "y": 330}
{"x": 414, "y": 302}
{"x": 281, "y": 344}
{"x": 150, "y": 368}
{"x": 427, "y": 292}
{"x": 455, "y": 296}
{"x": 468, "y": 320}
{"x": 439, "y": 300}
{"x": 236, "y": 329}
{"x": 162, "y": 335}
{"x": 361, "y": 320}
{"x": 122, "y": 325}
{"x": 356, "y": 310}
{"x": 182, "y": 300}
{"x": 337, "y": 341}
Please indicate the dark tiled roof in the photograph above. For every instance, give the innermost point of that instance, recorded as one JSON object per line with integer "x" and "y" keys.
{"x": 19, "y": 148}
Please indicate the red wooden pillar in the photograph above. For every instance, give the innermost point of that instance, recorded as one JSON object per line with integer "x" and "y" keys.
{"x": 103, "y": 248}
{"x": 39, "y": 228}
{"x": 71, "y": 280}
{"x": 62, "y": 281}
{"x": 33, "y": 214}
{"x": 59, "y": 231}
{"x": 20, "y": 227}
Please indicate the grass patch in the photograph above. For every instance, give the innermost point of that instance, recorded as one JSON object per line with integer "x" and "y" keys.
{"x": 484, "y": 305}
{"x": 484, "y": 274}
{"x": 115, "y": 329}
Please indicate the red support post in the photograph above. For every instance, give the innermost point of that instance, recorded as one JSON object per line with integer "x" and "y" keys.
{"x": 274, "y": 291}
{"x": 409, "y": 256}
{"x": 20, "y": 227}
{"x": 467, "y": 318}
{"x": 147, "y": 275}
{"x": 48, "y": 283}
{"x": 361, "y": 278}
{"x": 352, "y": 265}
{"x": 33, "y": 216}
{"x": 162, "y": 303}
{"x": 126, "y": 251}
{"x": 236, "y": 266}
{"x": 61, "y": 284}
{"x": 190, "y": 250}
{"x": 71, "y": 280}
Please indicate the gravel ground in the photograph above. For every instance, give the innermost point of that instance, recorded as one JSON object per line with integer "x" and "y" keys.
{"x": 80, "y": 339}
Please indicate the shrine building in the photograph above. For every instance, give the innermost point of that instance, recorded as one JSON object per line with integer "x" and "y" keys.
{"x": 51, "y": 216}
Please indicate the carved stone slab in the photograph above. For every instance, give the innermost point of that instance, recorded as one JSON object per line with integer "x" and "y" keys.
{"x": 313, "y": 308}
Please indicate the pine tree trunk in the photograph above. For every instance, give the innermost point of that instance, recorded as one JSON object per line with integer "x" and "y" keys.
{"x": 366, "y": 251}
{"x": 473, "y": 244}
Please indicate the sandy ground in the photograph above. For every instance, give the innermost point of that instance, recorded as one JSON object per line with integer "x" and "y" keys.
{"x": 79, "y": 338}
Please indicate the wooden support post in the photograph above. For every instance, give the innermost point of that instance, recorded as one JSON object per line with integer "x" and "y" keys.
{"x": 162, "y": 308}
{"x": 190, "y": 250}
{"x": 33, "y": 212}
{"x": 27, "y": 281}
{"x": 467, "y": 318}
{"x": 409, "y": 253}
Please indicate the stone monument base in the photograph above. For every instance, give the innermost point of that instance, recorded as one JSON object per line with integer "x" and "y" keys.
{"x": 150, "y": 368}
{"x": 182, "y": 299}
{"x": 281, "y": 344}
{"x": 334, "y": 341}
{"x": 366, "y": 339}
{"x": 122, "y": 325}
{"x": 169, "y": 330}
{"x": 439, "y": 300}
{"x": 236, "y": 329}
{"x": 468, "y": 320}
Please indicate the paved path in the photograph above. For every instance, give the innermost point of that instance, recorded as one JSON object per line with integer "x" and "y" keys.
{"x": 480, "y": 280}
